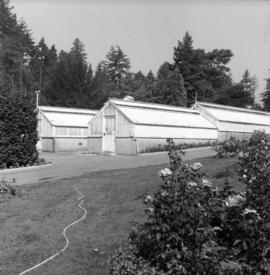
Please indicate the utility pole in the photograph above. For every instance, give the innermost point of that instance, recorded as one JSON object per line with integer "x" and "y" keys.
{"x": 37, "y": 98}
{"x": 196, "y": 97}
{"x": 40, "y": 77}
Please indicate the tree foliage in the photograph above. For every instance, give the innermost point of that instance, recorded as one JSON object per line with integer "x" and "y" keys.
{"x": 18, "y": 132}
{"x": 43, "y": 67}
{"x": 72, "y": 81}
{"x": 65, "y": 78}
{"x": 235, "y": 96}
{"x": 204, "y": 73}
{"x": 117, "y": 64}
{"x": 266, "y": 96}
{"x": 169, "y": 87}
{"x": 16, "y": 48}
{"x": 249, "y": 84}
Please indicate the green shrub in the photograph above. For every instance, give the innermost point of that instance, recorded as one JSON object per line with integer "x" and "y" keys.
{"x": 125, "y": 262}
{"x": 164, "y": 147}
{"x": 255, "y": 173}
{"x": 194, "y": 228}
{"x": 229, "y": 148}
{"x": 18, "y": 132}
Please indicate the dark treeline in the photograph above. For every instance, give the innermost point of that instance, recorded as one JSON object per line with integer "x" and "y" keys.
{"x": 67, "y": 79}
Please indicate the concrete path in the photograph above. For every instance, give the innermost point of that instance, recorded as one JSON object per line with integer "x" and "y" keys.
{"x": 75, "y": 164}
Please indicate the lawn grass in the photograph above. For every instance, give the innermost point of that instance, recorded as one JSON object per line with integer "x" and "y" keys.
{"x": 32, "y": 223}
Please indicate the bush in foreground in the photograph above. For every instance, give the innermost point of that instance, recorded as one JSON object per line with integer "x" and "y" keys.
{"x": 18, "y": 132}
{"x": 194, "y": 228}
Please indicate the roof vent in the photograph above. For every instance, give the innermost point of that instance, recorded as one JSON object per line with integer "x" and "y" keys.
{"x": 129, "y": 98}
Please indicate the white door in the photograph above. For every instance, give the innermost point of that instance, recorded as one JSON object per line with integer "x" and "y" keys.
{"x": 108, "y": 144}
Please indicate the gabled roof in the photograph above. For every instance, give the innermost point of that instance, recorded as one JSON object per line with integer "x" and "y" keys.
{"x": 67, "y": 117}
{"x": 161, "y": 115}
{"x": 67, "y": 110}
{"x": 234, "y": 114}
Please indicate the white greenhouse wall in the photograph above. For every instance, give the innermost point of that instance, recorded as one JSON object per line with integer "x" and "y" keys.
{"x": 123, "y": 126}
{"x": 96, "y": 125}
{"x": 46, "y": 129}
{"x": 126, "y": 146}
{"x": 146, "y": 131}
{"x": 240, "y": 127}
{"x": 206, "y": 115}
{"x": 109, "y": 110}
{"x": 63, "y": 144}
{"x": 94, "y": 145}
{"x": 222, "y": 136}
{"x": 47, "y": 144}
{"x": 71, "y": 131}
{"x": 70, "y": 144}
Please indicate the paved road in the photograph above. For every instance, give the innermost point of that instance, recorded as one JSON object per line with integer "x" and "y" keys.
{"x": 75, "y": 164}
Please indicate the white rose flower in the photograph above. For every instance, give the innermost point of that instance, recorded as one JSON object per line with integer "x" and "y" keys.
{"x": 148, "y": 199}
{"x": 234, "y": 200}
{"x": 196, "y": 166}
{"x": 150, "y": 209}
{"x": 192, "y": 184}
{"x": 165, "y": 172}
{"x": 206, "y": 182}
{"x": 248, "y": 211}
{"x": 164, "y": 194}
{"x": 240, "y": 154}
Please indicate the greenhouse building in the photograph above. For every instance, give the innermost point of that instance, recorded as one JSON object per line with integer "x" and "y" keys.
{"x": 63, "y": 129}
{"x": 132, "y": 127}
{"x": 234, "y": 121}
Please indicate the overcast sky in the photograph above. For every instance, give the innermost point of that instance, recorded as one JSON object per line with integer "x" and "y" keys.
{"x": 147, "y": 30}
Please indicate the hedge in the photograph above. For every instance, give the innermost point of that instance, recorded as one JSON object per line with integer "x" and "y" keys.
{"x": 18, "y": 132}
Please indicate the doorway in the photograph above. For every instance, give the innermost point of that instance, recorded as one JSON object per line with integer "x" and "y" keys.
{"x": 108, "y": 144}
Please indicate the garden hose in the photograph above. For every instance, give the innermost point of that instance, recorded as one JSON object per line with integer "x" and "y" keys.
{"x": 64, "y": 234}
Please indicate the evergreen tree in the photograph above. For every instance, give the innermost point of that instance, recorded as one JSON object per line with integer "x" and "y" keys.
{"x": 249, "y": 84}
{"x": 266, "y": 96}
{"x": 145, "y": 87}
{"x": 43, "y": 67}
{"x": 235, "y": 96}
{"x": 204, "y": 73}
{"x": 16, "y": 46}
{"x": 169, "y": 87}
{"x": 240, "y": 94}
{"x": 72, "y": 83}
{"x": 118, "y": 78}
{"x": 150, "y": 82}
{"x": 134, "y": 84}
{"x": 101, "y": 87}
{"x": 150, "y": 78}
{"x": 117, "y": 65}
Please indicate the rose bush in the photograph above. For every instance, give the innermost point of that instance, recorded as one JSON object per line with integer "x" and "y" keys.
{"x": 194, "y": 228}
{"x": 255, "y": 173}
